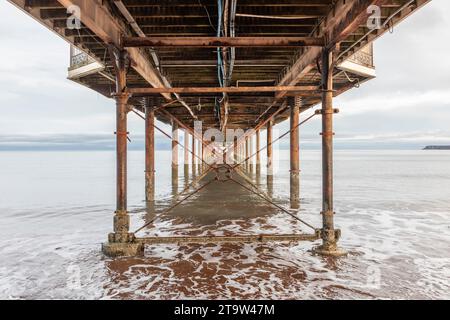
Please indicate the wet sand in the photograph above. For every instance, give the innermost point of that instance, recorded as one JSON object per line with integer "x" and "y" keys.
{"x": 394, "y": 221}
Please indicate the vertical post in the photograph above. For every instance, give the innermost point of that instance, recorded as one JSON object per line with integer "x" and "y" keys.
{"x": 330, "y": 236}
{"x": 121, "y": 242}
{"x": 269, "y": 149}
{"x": 294, "y": 104}
{"x": 186, "y": 158}
{"x": 250, "y": 151}
{"x": 258, "y": 154}
{"x": 174, "y": 158}
{"x": 269, "y": 159}
{"x": 224, "y": 152}
{"x": 247, "y": 154}
{"x": 200, "y": 153}
{"x": 186, "y": 150}
{"x": 194, "y": 160}
{"x": 235, "y": 150}
{"x": 149, "y": 153}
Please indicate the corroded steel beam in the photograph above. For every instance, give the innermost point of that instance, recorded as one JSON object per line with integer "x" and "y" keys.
{"x": 214, "y": 42}
{"x": 95, "y": 15}
{"x": 343, "y": 19}
{"x": 221, "y": 239}
{"x": 297, "y": 89}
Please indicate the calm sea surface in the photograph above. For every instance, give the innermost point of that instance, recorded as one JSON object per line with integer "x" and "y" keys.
{"x": 393, "y": 208}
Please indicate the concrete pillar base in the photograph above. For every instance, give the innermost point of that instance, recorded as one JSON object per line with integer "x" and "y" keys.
{"x": 329, "y": 251}
{"x": 329, "y": 245}
{"x": 118, "y": 249}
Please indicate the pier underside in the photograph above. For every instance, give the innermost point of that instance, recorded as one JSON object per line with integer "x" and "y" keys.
{"x": 229, "y": 64}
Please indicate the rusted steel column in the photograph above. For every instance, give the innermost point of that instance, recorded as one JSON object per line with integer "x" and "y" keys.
{"x": 202, "y": 151}
{"x": 121, "y": 218}
{"x": 294, "y": 104}
{"x": 270, "y": 185}
{"x": 121, "y": 242}
{"x": 247, "y": 154}
{"x": 175, "y": 140}
{"x": 186, "y": 158}
{"x": 224, "y": 152}
{"x": 250, "y": 151}
{"x": 258, "y": 154}
{"x": 235, "y": 150}
{"x": 200, "y": 164}
{"x": 330, "y": 236}
{"x": 186, "y": 149}
{"x": 193, "y": 158}
{"x": 149, "y": 153}
{"x": 174, "y": 158}
{"x": 269, "y": 149}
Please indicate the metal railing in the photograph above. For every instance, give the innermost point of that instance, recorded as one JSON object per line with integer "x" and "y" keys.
{"x": 363, "y": 57}
{"x": 79, "y": 58}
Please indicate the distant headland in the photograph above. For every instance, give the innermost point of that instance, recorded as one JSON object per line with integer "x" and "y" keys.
{"x": 437, "y": 148}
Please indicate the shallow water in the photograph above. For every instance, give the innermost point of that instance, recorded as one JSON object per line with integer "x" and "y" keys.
{"x": 392, "y": 207}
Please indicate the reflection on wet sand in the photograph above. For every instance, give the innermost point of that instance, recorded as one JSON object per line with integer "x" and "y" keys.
{"x": 214, "y": 270}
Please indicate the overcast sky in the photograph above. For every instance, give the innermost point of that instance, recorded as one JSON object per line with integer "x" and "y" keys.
{"x": 408, "y": 101}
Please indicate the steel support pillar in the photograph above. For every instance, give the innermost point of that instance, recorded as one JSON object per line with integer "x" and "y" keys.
{"x": 121, "y": 242}
{"x": 149, "y": 153}
{"x": 330, "y": 235}
{"x": 200, "y": 164}
{"x": 294, "y": 105}
{"x": 194, "y": 152}
{"x": 247, "y": 154}
{"x": 269, "y": 149}
{"x": 175, "y": 140}
{"x": 250, "y": 151}
{"x": 186, "y": 151}
{"x": 258, "y": 154}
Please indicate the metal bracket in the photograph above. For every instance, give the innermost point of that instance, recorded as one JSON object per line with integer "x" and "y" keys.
{"x": 330, "y": 111}
{"x": 123, "y": 134}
